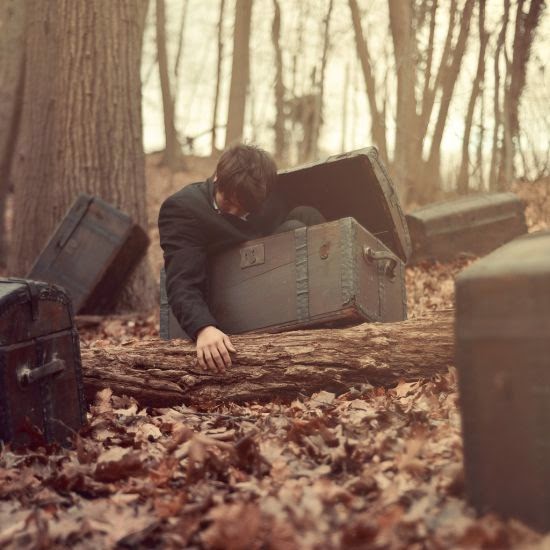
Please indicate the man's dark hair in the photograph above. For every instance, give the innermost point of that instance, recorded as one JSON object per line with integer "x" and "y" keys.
{"x": 246, "y": 174}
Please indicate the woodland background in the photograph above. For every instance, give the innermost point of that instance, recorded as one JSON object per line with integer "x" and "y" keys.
{"x": 454, "y": 94}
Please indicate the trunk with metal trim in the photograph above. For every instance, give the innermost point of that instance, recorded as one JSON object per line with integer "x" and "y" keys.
{"x": 473, "y": 225}
{"x": 40, "y": 369}
{"x": 91, "y": 254}
{"x": 503, "y": 362}
{"x": 330, "y": 274}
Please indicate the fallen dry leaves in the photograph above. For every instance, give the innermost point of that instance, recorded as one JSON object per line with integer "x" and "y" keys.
{"x": 372, "y": 468}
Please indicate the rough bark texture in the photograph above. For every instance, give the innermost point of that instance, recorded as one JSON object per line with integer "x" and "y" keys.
{"x": 279, "y": 125}
{"x": 463, "y": 176}
{"x": 81, "y": 123}
{"x": 240, "y": 70}
{"x": 406, "y": 135}
{"x": 281, "y": 366}
{"x": 378, "y": 124}
{"x": 218, "y": 78}
{"x": 12, "y": 48}
{"x": 173, "y": 157}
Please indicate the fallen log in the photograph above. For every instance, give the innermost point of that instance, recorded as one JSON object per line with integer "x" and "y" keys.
{"x": 274, "y": 366}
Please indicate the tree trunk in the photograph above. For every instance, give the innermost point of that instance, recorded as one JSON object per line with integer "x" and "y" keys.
{"x": 281, "y": 366}
{"x": 279, "y": 126}
{"x": 12, "y": 49}
{"x": 81, "y": 123}
{"x": 378, "y": 124}
{"x": 406, "y": 134}
{"x": 497, "y": 126}
{"x": 240, "y": 70}
{"x": 173, "y": 157}
{"x": 463, "y": 177}
{"x": 218, "y": 78}
{"x": 318, "y": 112}
{"x": 447, "y": 90}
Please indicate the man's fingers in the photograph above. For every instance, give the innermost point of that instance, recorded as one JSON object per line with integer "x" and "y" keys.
{"x": 218, "y": 360}
{"x": 229, "y": 345}
{"x": 224, "y": 354}
{"x": 200, "y": 359}
{"x": 211, "y": 365}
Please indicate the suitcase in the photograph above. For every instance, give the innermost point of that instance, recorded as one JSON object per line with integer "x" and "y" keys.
{"x": 91, "y": 254}
{"x": 333, "y": 273}
{"x": 471, "y": 225}
{"x": 40, "y": 369}
{"x": 503, "y": 361}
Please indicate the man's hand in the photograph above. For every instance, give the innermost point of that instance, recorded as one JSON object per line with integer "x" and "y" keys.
{"x": 213, "y": 348}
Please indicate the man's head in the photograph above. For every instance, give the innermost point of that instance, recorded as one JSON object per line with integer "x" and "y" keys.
{"x": 244, "y": 176}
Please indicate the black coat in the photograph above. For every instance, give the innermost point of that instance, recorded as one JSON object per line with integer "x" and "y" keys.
{"x": 190, "y": 230}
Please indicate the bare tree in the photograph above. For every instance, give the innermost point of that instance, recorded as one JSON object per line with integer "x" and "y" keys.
{"x": 279, "y": 126}
{"x": 497, "y": 123}
{"x": 240, "y": 72}
{"x": 81, "y": 123}
{"x": 173, "y": 157}
{"x": 12, "y": 48}
{"x": 462, "y": 182}
{"x": 218, "y": 77}
{"x": 378, "y": 123}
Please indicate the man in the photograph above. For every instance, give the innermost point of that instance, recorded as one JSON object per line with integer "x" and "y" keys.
{"x": 238, "y": 203}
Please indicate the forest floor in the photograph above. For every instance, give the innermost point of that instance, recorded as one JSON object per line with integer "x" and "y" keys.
{"x": 373, "y": 468}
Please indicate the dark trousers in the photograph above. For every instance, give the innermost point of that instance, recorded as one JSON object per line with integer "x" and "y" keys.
{"x": 301, "y": 216}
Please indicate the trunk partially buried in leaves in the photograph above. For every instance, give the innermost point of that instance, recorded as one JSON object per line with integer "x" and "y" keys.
{"x": 81, "y": 125}
{"x": 275, "y": 366}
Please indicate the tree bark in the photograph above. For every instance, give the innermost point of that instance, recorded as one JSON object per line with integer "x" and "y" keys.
{"x": 406, "y": 134}
{"x": 279, "y": 126}
{"x": 173, "y": 157}
{"x": 240, "y": 72}
{"x": 12, "y": 50}
{"x": 281, "y": 366}
{"x": 463, "y": 176}
{"x": 214, "y": 149}
{"x": 378, "y": 124}
{"x": 81, "y": 124}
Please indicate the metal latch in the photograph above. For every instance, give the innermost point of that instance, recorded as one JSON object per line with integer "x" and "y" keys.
{"x": 390, "y": 265}
{"x": 252, "y": 255}
{"x": 26, "y": 375}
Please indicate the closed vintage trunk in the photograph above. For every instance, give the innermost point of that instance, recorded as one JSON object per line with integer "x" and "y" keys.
{"x": 503, "y": 361}
{"x": 472, "y": 225}
{"x": 349, "y": 269}
{"x": 40, "y": 370}
{"x": 91, "y": 254}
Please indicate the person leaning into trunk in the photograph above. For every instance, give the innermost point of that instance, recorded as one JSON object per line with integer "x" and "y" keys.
{"x": 239, "y": 202}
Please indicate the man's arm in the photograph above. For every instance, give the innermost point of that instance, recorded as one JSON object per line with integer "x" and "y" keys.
{"x": 184, "y": 246}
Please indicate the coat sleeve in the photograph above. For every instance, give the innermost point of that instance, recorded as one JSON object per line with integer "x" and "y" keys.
{"x": 184, "y": 250}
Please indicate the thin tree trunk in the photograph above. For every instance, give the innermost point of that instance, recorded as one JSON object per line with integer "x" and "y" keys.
{"x": 172, "y": 152}
{"x": 463, "y": 184}
{"x": 240, "y": 72}
{"x": 345, "y": 103}
{"x": 269, "y": 367}
{"x": 218, "y": 78}
{"x": 448, "y": 86}
{"x": 181, "y": 40}
{"x": 279, "y": 126}
{"x": 497, "y": 115}
{"x": 406, "y": 135}
{"x": 318, "y": 112}
{"x": 81, "y": 124}
{"x": 12, "y": 55}
{"x": 378, "y": 124}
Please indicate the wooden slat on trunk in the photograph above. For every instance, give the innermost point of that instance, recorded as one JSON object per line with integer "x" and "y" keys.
{"x": 270, "y": 367}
